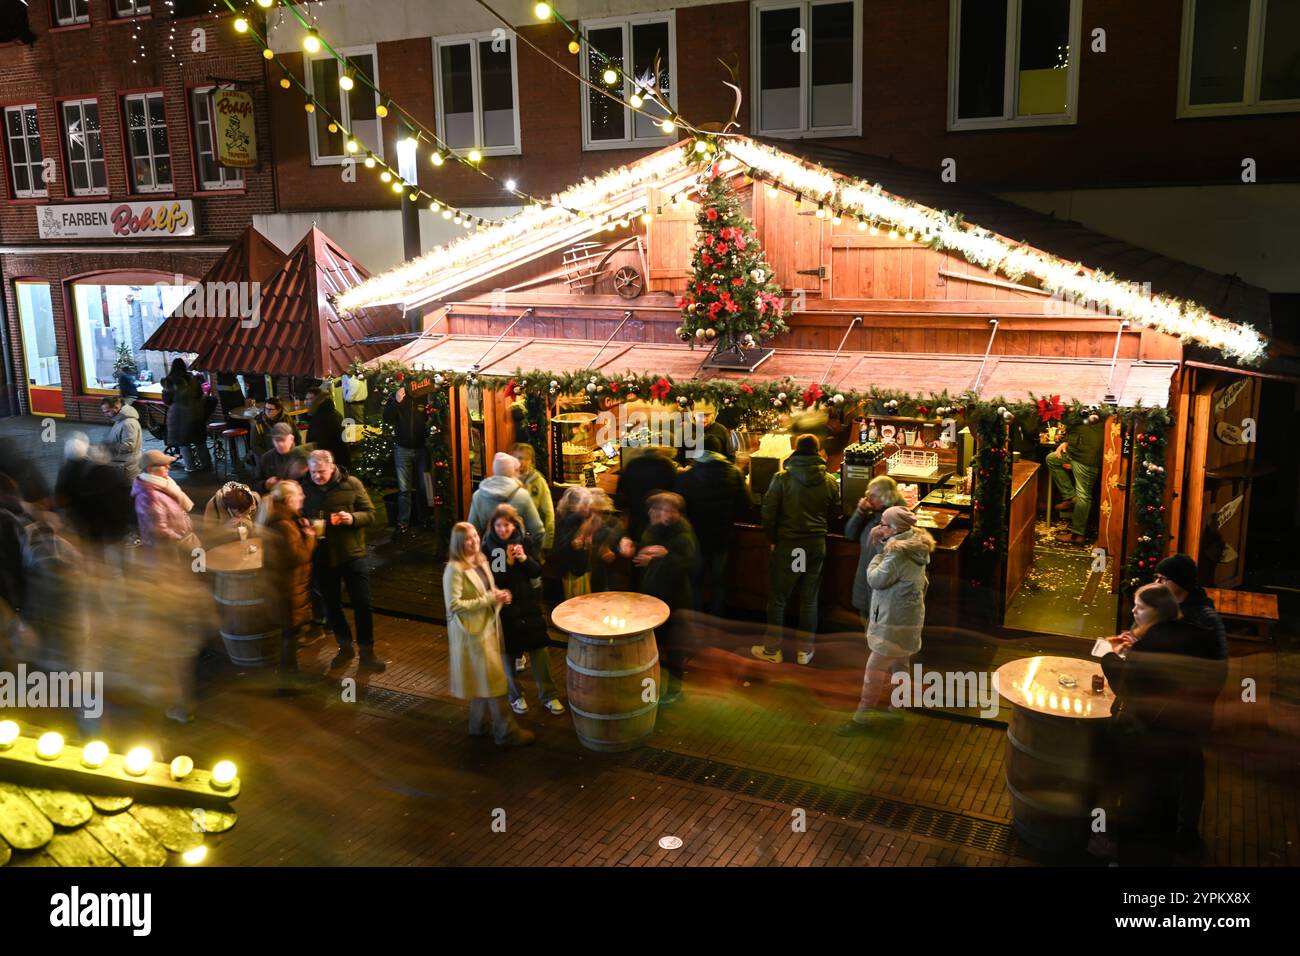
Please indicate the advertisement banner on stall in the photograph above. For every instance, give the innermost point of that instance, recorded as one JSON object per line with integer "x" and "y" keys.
{"x": 235, "y": 132}
{"x": 146, "y": 219}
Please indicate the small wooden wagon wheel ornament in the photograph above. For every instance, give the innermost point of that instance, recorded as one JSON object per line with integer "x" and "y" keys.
{"x": 628, "y": 282}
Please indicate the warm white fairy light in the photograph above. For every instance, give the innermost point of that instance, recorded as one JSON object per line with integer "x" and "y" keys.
{"x": 1184, "y": 319}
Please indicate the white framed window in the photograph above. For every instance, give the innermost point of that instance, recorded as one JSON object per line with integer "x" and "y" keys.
{"x": 148, "y": 150}
{"x": 130, "y": 8}
{"x": 476, "y": 85}
{"x": 806, "y": 67}
{"x": 209, "y": 174}
{"x": 355, "y": 109}
{"x": 633, "y": 44}
{"x": 23, "y": 147}
{"x": 70, "y": 12}
{"x": 1239, "y": 56}
{"x": 84, "y": 147}
{"x": 1013, "y": 63}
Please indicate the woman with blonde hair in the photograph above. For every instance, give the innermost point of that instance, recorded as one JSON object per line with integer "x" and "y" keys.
{"x": 573, "y": 528}
{"x": 289, "y": 541}
{"x": 476, "y": 670}
{"x": 882, "y": 494}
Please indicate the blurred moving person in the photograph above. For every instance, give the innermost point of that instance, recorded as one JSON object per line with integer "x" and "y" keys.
{"x": 325, "y": 427}
{"x": 716, "y": 498}
{"x": 476, "y": 670}
{"x": 289, "y": 540}
{"x": 408, "y": 418}
{"x": 898, "y": 580}
{"x": 93, "y": 495}
{"x": 512, "y": 556}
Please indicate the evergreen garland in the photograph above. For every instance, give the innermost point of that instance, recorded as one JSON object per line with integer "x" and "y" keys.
{"x": 990, "y": 496}
{"x": 1148, "y": 496}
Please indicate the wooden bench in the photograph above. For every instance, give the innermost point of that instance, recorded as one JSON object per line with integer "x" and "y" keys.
{"x": 1247, "y": 607}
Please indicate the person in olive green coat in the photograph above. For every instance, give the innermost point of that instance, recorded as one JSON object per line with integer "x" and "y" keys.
{"x": 796, "y": 508}
{"x": 1074, "y": 467}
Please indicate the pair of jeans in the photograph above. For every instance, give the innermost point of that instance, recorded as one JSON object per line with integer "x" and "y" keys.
{"x": 410, "y": 465}
{"x": 794, "y": 572}
{"x": 541, "y": 663}
{"x": 875, "y": 682}
{"x": 481, "y": 709}
{"x": 1075, "y": 482}
{"x": 356, "y": 576}
{"x": 712, "y": 573}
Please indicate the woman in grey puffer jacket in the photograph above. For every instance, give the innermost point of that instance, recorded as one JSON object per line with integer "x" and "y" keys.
{"x": 882, "y": 493}
{"x": 898, "y": 582}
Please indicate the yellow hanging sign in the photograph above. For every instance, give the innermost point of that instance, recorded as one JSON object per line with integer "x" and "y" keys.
{"x": 234, "y": 129}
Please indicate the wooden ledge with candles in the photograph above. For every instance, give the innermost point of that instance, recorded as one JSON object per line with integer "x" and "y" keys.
{"x": 613, "y": 666}
{"x": 1053, "y": 748}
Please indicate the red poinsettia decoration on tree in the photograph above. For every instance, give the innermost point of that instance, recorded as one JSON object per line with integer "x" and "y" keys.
{"x": 660, "y": 389}
{"x": 1050, "y": 409}
{"x": 812, "y": 395}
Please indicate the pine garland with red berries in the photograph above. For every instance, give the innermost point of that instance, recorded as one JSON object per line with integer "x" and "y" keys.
{"x": 1148, "y": 501}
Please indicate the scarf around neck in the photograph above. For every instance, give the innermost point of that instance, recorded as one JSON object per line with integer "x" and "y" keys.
{"x": 168, "y": 487}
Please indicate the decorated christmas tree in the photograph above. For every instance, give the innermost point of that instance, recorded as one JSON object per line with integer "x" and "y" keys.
{"x": 730, "y": 297}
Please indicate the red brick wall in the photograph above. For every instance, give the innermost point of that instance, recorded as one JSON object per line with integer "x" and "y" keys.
{"x": 1127, "y": 131}
{"x": 95, "y": 61}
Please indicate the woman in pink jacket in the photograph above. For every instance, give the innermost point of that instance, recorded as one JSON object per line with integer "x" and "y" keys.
{"x": 162, "y": 508}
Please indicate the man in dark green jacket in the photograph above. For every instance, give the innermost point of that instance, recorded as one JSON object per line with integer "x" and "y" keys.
{"x": 1074, "y": 467}
{"x": 795, "y": 512}
{"x": 339, "y": 504}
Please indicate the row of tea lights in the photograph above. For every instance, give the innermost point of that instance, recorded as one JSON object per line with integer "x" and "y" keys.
{"x": 138, "y": 760}
{"x": 609, "y": 621}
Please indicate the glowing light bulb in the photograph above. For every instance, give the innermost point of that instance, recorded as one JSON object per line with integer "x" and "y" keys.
{"x": 353, "y": 146}
{"x": 284, "y": 83}
{"x": 333, "y": 127}
{"x": 223, "y": 775}
{"x": 773, "y": 190}
{"x": 836, "y": 219}
{"x": 610, "y": 76}
{"x": 862, "y": 225}
{"x": 542, "y": 11}
{"x": 437, "y": 159}
{"x": 635, "y": 101}
{"x": 413, "y": 196}
{"x": 346, "y": 82}
{"x": 434, "y": 206}
{"x": 138, "y": 760}
{"x": 446, "y": 214}
{"x": 701, "y": 146}
{"x": 8, "y": 734}
{"x": 398, "y": 186}
{"x": 645, "y": 218}
{"x": 181, "y": 767}
{"x": 893, "y": 233}
{"x": 311, "y": 42}
{"x": 265, "y": 4}
{"x": 575, "y": 47}
{"x": 370, "y": 162}
{"x": 511, "y": 185}
{"x": 456, "y": 220}
{"x": 668, "y": 126}
{"x": 268, "y": 53}
{"x": 195, "y": 856}
{"x": 309, "y": 106}
{"x": 474, "y": 156}
{"x": 381, "y": 110}
{"x": 94, "y": 754}
{"x": 49, "y": 746}
{"x": 386, "y": 176}
{"x": 241, "y": 25}
{"x": 874, "y": 230}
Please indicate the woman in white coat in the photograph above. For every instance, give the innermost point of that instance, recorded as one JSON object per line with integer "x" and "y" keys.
{"x": 474, "y": 638}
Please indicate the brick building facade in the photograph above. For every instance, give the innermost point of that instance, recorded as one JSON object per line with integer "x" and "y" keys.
{"x": 65, "y": 299}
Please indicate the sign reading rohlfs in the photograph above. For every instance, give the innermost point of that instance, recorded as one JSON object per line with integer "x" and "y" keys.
{"x": 125, "y": 220}
{"x": 235, "y": 129}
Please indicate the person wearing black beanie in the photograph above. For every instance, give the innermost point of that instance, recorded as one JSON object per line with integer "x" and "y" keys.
{"x": 1178, "y": 573}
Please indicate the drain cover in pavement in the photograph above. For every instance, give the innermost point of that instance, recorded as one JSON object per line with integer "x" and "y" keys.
{"x": 670, "y": 842}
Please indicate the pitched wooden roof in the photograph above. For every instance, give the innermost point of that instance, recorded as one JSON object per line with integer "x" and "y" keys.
{"x": 297, "y": 330}
{"x": 252, "y": 259}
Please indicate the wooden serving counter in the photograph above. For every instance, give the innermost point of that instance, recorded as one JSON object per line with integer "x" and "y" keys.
{"x": 1020, "y": 535}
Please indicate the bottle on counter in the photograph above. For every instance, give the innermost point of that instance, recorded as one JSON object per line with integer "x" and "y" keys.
{"x": 872, "y": 432}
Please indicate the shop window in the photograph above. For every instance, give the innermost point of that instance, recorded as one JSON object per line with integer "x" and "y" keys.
{"x": 84, "y": 147}
{"x": 1240, "y": 56}
{"x": 130, "y": 8}
{"x": 69, "y": 12}
{"x": 633, "y": 44}
{"x": 353, "y": 111}
{"x": 1013, "y": 63}
{"x": 107, "y": 315}
{"x": 807, "y": 67}
{"x": 146, "y": 143}
{"x": 477, "y": 94}
{"x": 36, "y": 319}
{"x": 209, "y": 173}
{"x": 23, "y": 147}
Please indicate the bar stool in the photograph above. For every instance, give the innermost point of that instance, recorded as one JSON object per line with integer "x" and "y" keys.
{"x": 232, "y": 436}
{"x": 218, "y": 450}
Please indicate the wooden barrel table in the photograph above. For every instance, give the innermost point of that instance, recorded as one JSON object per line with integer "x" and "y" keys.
{"x": 613, "y": 666}
{"x": 1054, "y": 741}
{"x": 250, "y": 635}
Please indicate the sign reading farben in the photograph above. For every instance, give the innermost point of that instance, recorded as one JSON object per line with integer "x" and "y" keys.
{"x": 117, "y": 220}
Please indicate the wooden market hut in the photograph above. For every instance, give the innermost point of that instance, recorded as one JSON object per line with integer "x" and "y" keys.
{"x": 873, "y": 309}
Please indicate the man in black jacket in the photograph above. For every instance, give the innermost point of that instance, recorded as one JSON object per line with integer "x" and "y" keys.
{"x": 339, "y": 505}
{"x": 653, "y": 470}
{"x": 325, "y": 430}
{"x": 716, "y": 497}
{"x": 1178, "y": 573}
{"x": 409, "y": 421}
